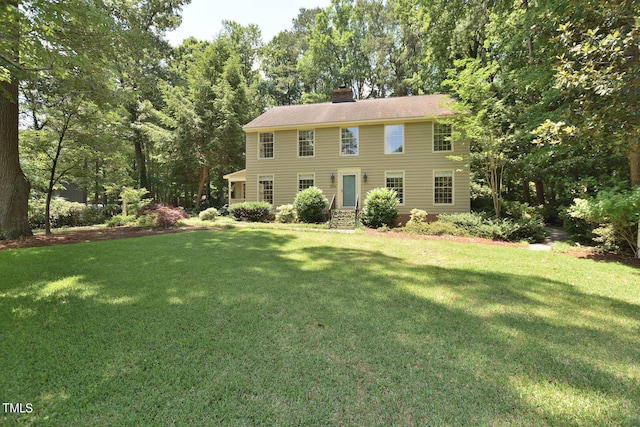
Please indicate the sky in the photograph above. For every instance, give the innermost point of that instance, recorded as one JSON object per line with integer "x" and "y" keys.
{"x": 203, "y": 18}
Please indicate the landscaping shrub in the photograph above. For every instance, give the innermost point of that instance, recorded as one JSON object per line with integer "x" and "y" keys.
{"x": 164, "y": 216}
{"x": 310, "y": 205}
{"x": 418, "y": 216}
{"x": 618, "y": 209}
{"x": 92, "y": 215}
{"x": 437, "y": 228}
{"x": 529, "y": 227}
{"x": 380, "y": 208}
{"x": 132, "y": 199}
{"x": 63, "y": 213}
{"x": 209, "y": 214}
{"x": 122, "y": 219}
{"x": 251, "y": 211}
{"x": 286, "y": 214}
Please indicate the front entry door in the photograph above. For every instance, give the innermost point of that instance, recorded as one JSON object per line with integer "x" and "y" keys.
{"x": 349, "y": 191}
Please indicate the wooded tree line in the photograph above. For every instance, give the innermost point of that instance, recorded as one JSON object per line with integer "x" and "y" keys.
{"x": 549, "y": 89}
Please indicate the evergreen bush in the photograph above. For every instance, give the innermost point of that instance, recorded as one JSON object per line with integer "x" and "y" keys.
{"x": 251, "y": 211}
{"x": 380, "y": 208}
{"x": 310, "y": 205}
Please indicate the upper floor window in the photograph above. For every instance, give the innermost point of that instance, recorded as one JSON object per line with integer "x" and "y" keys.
{"x": 442, "y": 137}
{"x": 394, "y": 139}
{"x": 349, "y": 141}
{"x": 305, "y": 143}
{"x": 265, "y": 145}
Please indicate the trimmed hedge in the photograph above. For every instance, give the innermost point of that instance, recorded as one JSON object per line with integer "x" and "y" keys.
{"x": 251, "y": 211}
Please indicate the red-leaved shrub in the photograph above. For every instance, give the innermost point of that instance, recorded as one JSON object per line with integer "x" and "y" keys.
{"x": 164, "y": 216}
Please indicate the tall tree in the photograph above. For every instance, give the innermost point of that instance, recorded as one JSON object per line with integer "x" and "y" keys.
{"x": 40, "y": 35}
{"x": 598, "y": 71}
{"x": 141, "y": 53}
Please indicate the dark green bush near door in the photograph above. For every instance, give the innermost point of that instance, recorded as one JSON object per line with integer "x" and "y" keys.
{"x": 380, "y": 208}
{"x": 310, "y": 205}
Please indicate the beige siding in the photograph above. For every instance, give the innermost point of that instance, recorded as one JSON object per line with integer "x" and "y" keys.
{"x": 418, "y": 162}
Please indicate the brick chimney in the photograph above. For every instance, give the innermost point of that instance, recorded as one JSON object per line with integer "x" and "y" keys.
{"x": 342, "y": 94}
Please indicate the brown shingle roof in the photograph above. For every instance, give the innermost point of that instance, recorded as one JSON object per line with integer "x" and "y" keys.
{"x": 405, "y": 107}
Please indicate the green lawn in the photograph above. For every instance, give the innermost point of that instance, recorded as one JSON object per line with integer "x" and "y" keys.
{"x": 277, "y": 327}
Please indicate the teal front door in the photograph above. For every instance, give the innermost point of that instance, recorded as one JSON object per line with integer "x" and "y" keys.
{"x": 348, "y": 191}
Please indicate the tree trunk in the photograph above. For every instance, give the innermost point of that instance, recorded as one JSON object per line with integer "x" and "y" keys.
{"x": 52, "y": 182}
{"x": 14, "y": 186}
{"x": 203, "y": 176}
{"x": 525, "y": 191}
{"x": 634, "y": 162}
{"x": 141, "y": 166}
{"x": 539, "y": 191}
{"x": 140, "y": 159}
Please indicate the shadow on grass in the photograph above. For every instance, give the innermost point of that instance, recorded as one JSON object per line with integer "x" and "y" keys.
{"x": 256, "y": 327}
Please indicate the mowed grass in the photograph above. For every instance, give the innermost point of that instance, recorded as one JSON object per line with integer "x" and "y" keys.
{"x": 261, "y": 327}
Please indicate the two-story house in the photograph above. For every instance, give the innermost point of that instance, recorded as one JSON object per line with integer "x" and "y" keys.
{"x": 348, "y": 147}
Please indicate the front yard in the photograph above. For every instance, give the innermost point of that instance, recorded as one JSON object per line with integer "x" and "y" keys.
{"x": 251, "y": 326}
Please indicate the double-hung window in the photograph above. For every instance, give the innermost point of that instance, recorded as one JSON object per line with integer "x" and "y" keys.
{"x": 306, "y": 145}
{"x": 265, "y": 188}
{"x": 305, "y": 181}
{"x": 442, "y": 137}
{"x": 349, "y": 141}
{"x": 265, "y": 145}
{"x": 394, "y": 139}
{"x": 395, "y": 181}
{"x": 443, "y": 187}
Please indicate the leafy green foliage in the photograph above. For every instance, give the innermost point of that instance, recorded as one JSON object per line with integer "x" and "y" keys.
{"x": 122, "y": 220}
{"x": 380, "y": 208}
{"x": 251, "y": 211}
{"x": 63, "y": 213}
{"x": 310, "y": 204}
{"x": 618, "y": 209}
{"x": 209, "y": 214}
{"x": 436, "y": 228}
{"x": 529, "y": 228}
{"x": 418, "y": 216}
{"x": 133, "y": 199}
{"x": 286, "y": 214}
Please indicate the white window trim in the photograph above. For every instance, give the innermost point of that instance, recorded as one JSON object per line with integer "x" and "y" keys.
{"x": 404, "y": 148}
{"x": 298, "y": 144}
{"x": 404, "y": 184}
{"x": 433, "y": 140}
{"x": 273, "y": 184}
{"x": 340, "y": 141}
{"x": 274, "y": 146}
{"x": 453, "y": 187}
{"x": 304, "y": 174}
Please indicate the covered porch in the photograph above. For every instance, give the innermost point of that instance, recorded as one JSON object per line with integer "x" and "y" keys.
{"x": 237, "y": 186}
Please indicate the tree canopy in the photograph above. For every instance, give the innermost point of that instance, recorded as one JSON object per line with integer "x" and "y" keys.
{"x": 548, "y": 88}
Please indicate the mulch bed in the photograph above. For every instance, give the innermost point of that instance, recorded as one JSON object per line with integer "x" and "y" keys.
{"x": 62, "y": 237}
{"x": 98, "y": 234}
